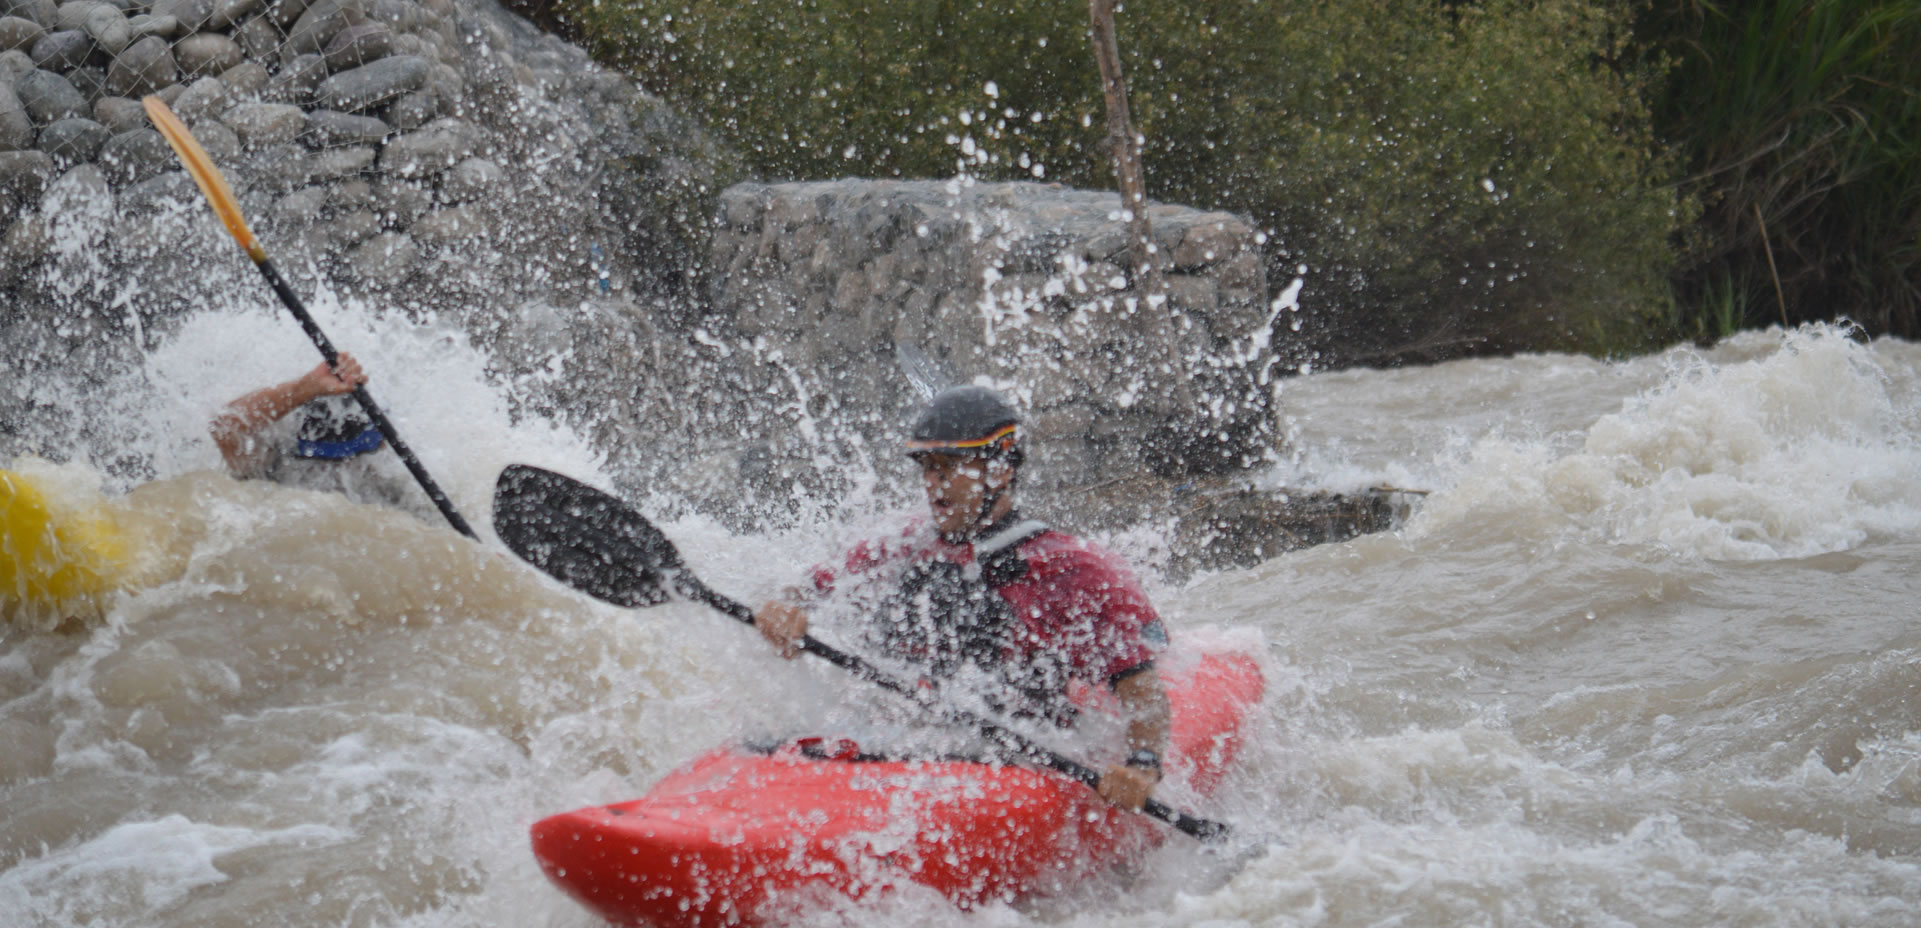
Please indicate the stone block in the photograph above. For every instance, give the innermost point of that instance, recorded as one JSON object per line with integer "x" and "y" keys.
{"x": 318, "y": 25}
{"x": 17, "y": 32}
{"x": 165, "y": 190}
{"x": 79, "y": 205}
{"x": 282, "y": 14}
{"x": 353, "y": 227}
{"x": 246, "y": 79}
{"x": 339, "y": 163}
{"x": 107, "y": 25}
{"x": 1211, "y": 239}
{"x": 146, "y": 24}
{"x": 331, "y": 129}
{"x": 16, "y": 124}
{"x": 352, "y": 194}
{"x": 61, "y": 51}
{"x": 412, "y": 110}
{"x": 299, "y": 209}
{"x": 45, "y": 13}
{"x": 359, "y": 45}
{"x": 449, "y": 227}
{"x": 387, "y": 260}
{"x": 1242, "y": 275}
{"x": 400, "y": 15}
{"x": 259, "y": 39}
{"x": 221, "y": 143}
{"x": 49, "y": 97}
{"x": 296, "y": 81}
{"x": 25, "y": 174}
{"x": 274, "y": 167}
{"x": 428, "y": 151}
{"x": 851, "y": 290}
{"x": 259, "y": 125}
{"x": 401, "y": 202}
{"x": 229, "y": 13}
{"x": 471, "y": 179}
{"x": 371, "y": 85}
{"x": 205, "y": 98}
{"x": 145, "y": 67}
{"x": 796, "y": 244}
{"x": 205, "y": 54}
{"x": 131, "y": 157}
{"x": 13, "y": 64}
{"x": 192, "y": 15}
{"x": 764, "y": 306}
{"x": 1193, "y": 292}
{"x": 26, "y": 243}
{"x": 90, "y": 81}
{"x": 119, "y": 114}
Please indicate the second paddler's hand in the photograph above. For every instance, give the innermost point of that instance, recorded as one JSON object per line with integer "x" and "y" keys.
{"x": 784, "y": 624}
{"x": 331, "y": 379}
{"x": 1127, "y": 787}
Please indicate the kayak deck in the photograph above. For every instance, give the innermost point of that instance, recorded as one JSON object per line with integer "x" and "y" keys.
{"x": 740, "y": 838}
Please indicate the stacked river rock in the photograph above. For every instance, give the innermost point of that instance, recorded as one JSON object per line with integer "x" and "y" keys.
{"x": 446, "y": 159}
{"x": 1024, "y": 284}
{"x": 338, "y": 78}
{"x": 442, "y": 158}
{"x": 400, "y": 148}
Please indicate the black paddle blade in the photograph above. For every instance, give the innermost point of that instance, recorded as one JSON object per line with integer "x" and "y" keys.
{"x": 583, "y": 537}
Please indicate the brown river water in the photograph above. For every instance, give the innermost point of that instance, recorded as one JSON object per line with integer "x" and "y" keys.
{"x": 1645, "y": 654}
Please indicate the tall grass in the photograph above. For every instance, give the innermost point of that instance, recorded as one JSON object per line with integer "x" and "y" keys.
{"x": 1802, "y": 121}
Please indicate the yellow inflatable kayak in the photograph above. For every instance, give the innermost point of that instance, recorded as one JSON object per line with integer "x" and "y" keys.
{"x": 61, "y": 551}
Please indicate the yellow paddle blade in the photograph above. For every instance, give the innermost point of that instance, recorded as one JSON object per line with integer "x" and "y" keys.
{"x": 212, "y": 183}
{"x": 56, "y": 559}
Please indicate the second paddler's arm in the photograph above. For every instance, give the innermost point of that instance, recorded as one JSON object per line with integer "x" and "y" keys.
{"x": 236, "y": 427}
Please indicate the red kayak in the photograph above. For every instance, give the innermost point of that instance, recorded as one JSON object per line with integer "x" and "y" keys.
{"x": 742, "y": 838}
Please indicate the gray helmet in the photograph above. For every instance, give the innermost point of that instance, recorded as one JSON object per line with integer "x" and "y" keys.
{"x": 967, "y": 420}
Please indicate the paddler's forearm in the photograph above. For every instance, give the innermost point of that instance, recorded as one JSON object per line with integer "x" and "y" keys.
{"x": 249, "y": 414}
{"x": 1144, "y": 704}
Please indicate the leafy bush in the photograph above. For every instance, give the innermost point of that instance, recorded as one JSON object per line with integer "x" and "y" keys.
{"x": 1456, "y": 179}
{"x": 1803, "y": 126}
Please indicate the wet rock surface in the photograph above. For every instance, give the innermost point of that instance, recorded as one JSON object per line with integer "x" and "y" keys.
{"x": 1026, "y": 284}
{"x": 449, "y": 161}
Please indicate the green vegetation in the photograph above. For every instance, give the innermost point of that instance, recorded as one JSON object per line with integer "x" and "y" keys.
{"x": 1458, "y": 180}
{"x": 1801, "y": 121}
{"x": 1491, "y": 176}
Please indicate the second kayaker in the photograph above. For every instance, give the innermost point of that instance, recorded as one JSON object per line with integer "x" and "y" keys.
{"x": 984, "y": 591}
{"x": 328, "y": 446}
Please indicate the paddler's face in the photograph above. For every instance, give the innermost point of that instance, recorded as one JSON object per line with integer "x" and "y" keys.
{"x": 956, "y": 485}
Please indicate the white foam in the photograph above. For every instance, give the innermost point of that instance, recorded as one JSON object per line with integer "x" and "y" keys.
{"x": 1800, "y": 451}
{"x": 134, "y": 869}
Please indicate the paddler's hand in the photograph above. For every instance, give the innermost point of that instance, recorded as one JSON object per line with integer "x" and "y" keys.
{"x": 331, "y": 379}
{"x": 1127, "y": 787}
{"x": 784, "y": 624}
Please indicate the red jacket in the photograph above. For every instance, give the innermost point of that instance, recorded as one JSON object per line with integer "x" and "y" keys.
{"x": 1076, "y": 605}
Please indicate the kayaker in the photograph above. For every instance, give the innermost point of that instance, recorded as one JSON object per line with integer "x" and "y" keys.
{"x": 982, "y": 588}
{"x": 328, "y": 447}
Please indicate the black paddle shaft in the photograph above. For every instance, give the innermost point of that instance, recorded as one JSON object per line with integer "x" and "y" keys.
{"x": 366, "y": 400}
{"x": 597, "y": 544}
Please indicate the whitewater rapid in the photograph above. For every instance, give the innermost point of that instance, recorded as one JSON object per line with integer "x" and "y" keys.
{"x": 1643, "y": 654}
